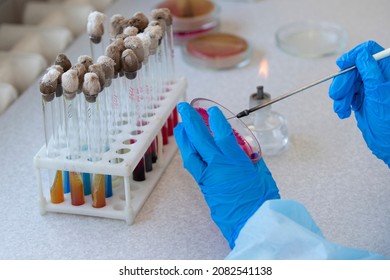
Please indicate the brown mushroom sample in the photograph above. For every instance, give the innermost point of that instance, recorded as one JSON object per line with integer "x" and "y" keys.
{"x": 80, "y": 70}
{"x": 91, "y": 87}
{"x": 63, "y": 61}
{"x": 48, "y": 84}
{"x": 135, "y": 44}
{"x": 129, "y": 63}
{"x": 97, "y": 68}
{"x": 86, "y": 60}
{"x": 117, "y": 23}
{"x": 139, "y": 20}
{"x": 95, "y": 26}
{"x": 112, "y": 51}
{"x": 108, "y": 65}
{"x": 70, "y": 83}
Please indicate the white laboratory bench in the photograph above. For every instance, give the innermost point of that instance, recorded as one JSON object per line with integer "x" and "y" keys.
{"x": 327, "y": 165}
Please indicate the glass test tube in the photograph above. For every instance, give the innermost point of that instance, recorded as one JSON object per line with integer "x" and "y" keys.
{"x": 73, "y": 147}
{"x": 115, "y": 102}
{"x": 49, "y": 119}
{"x": 51, "y": 125}
{"x": 150, "y": 103}
{"x": 96, "y": 146}
{"x": 86, "y": 177}
{"x": 143, "y": 102}
{"x": 105, "y": 132}
{"x": 170, "y": 54}
{"x": 97, "y": 49}
{"x": 136, "y": 121}
{"x": 157, "y": 84}
{"x": 60, "y": 117}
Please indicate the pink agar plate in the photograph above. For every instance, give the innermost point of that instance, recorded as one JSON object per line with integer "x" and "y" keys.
{"x": 243, "y": 134}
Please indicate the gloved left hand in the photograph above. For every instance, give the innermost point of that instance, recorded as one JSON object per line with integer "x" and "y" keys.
{"x": 233, "y": 187}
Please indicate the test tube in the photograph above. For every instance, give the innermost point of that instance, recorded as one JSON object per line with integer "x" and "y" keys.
{"x": 57, "y": 189}
{"x": 76, "y": 188}
{"x": 148, "y": 78}
{"x": 142, "y": 97}
{"x": 91, "y": 88}
{"x": 149, "y": 158}
{"x": 114, "y": 51}
{"x": 48, "y": 88}
{"x": 104, "y": 99}
{"x": 70, "y": 84}
{"x": 59, "y": 132}
{"x": 164, "y": 17}
{"x": 158, "y": 29}
{"x": 130, "y": 66}
{"x": 155, "y": 34}
{"x": 149, "y": 88}
{"x": 108, "y": 68}
{"x": 98, "y": 191}
{"x": 64, "y": 63}
{"x": 81, "y": 69}
{"x": 169, "y": 39}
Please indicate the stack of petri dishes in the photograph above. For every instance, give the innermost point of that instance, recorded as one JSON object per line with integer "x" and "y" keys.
{"x": 191, "y": 18}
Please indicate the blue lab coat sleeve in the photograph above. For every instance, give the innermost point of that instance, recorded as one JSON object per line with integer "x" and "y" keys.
{"x": 283, "y": 229}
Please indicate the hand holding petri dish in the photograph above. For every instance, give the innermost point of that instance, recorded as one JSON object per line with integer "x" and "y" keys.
{"x": 244, "y": 136}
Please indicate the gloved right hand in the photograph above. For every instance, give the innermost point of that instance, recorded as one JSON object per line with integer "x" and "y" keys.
{"x": 366, "y": 92}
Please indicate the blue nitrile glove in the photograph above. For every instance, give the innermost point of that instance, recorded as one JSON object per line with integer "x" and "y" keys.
{"x": 233, "y": 187}
{"x": 367, "y": 92}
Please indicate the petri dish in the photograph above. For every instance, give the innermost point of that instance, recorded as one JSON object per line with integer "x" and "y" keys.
{"x": 311, "y": 39}
{"x": 217, "y": 51}
{"x": 244, "y": 136}
{"x": 191, "y": 17}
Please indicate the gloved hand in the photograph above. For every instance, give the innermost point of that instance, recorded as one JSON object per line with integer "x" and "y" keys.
{"x": 367, "y": 92}
{"x": 233, "y": 187}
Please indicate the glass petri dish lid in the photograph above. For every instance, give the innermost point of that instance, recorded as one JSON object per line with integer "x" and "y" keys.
{"x": 311, "y": 39}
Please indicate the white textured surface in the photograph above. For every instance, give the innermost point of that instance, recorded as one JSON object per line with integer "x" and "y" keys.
{"x": 327, "y": 166}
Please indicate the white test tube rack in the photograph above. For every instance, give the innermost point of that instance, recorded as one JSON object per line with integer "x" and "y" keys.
{"x": 119, "y": 161}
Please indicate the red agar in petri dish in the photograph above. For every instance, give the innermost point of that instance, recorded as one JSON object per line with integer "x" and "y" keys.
{"x": 241, "y": 140}
{"x": 217, "y": 51}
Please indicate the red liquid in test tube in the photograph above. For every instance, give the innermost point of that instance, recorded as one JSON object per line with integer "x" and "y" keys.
{"x": 164, "y": 131}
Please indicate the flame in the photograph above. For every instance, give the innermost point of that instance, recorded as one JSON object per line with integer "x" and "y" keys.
{"x": 263, "y": 68}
